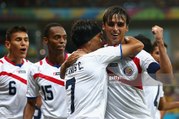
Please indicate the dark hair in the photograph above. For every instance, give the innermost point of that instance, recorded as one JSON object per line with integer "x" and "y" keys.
{"x": 15, "y": 29}
{"x": 146, "y": 41}
{"x": 47, "y": 28}
{"x": 155, "y": 45}
{"x": 109, "y": 12}
{"x": 83, "y": 31}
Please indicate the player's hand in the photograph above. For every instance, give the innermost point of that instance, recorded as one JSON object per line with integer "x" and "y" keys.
{"x": 70, "y": 61}
{"x": 158, "y": 33}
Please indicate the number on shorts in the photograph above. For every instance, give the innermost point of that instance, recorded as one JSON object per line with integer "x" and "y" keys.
{"x": 47, "y": 91}
{"x": 71, "y": 82}
{"x": 12, "y": 88}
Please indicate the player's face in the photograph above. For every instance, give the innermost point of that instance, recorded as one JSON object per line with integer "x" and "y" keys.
{"x": 156, "y": 54}
{"x": 115, "y": 29}
{"x": 18, "y": 45}
{"x": 57, "y": 40}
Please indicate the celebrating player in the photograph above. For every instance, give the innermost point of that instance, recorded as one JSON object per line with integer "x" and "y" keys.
{"x": 86, "y": 78}
{"x": 125, "y": 87}
{"x": 14, "y": 70}
{"x": 45, "y": 78}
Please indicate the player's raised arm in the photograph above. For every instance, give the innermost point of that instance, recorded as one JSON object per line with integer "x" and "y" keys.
{"x": 166, "y": 69}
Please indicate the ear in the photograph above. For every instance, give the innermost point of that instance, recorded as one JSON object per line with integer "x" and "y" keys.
{"x": 103, "y": 28}
{"x": 45, "y": 40}
{"x": 127, "y": 28}
{"x": 7, "y": 44}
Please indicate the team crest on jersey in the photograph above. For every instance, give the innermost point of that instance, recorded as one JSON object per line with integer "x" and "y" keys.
{"x": 21, "y": 71}
{"x": 56, "y": 73}
{"x": 128, "y": 71}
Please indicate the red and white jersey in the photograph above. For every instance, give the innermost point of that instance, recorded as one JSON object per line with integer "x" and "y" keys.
{"x": 13, "y": 87}
{"x": 125, "y": 88}
{"x": 86, "y": 83}
{"x": 45, "y": 79}
{"x": 153, "y": 91}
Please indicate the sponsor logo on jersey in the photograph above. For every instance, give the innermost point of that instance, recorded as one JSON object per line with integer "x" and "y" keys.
{"x": 56, "y": 73}
{"x": 115, "y": 78}
{"x": 128, "y": 71}
{"x": 21, "y": 71}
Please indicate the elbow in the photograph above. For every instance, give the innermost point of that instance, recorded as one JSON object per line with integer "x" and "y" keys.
{"x": 161, "y": 107}
{"x": 139, "y": 48}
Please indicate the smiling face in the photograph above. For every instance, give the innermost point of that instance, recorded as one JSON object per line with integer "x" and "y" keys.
{"x": 17, "y": 45}
{"x": 115, "y": 29}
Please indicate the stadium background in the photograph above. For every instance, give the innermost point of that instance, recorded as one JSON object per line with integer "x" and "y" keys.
{"x": 36, "y": 14}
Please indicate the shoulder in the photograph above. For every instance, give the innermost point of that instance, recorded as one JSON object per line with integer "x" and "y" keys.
{"x": 28, "y": 62}
{"x": 143, "y": 53}
{"x": 40, "y": 62}
{"x": 145, "y": 56}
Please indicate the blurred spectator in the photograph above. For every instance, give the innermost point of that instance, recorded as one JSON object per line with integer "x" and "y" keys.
{"x": 89, "y": 3}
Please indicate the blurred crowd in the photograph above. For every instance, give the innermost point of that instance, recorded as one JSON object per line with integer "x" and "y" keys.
{"x": 87, "y": 3}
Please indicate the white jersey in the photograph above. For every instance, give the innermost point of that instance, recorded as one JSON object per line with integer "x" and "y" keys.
{"x": 45, "y": 78}
{"x": 125, "y": 88}
{"x": 13, "y": 87}
{"x": 86, "y": 84}
{"x": 153, "y": 91}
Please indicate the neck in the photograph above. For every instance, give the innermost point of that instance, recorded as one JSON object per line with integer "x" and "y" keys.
{"x": 15, "y": 60}
{"x": 85, "y": 49}
{"x": 57, "y": 59}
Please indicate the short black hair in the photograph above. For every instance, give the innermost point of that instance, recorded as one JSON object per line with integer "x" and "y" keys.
{"x": 146, "y": 41}
{"x": 47, "y": 28}
{"x": 83, "y": 30}
{"x": 15, "y": 29}
{"x": 110, "y": 11}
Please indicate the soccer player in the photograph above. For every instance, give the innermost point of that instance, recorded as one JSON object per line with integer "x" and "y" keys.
{"x": 125, "y": 86}
{"x": 14, "y": 69}
{"x": 153, "y": 89}
{"x": 44, "y": 78}
{"x": 86, "y": 78}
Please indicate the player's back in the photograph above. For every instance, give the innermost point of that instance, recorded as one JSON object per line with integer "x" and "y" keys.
{"x": 13, "y": 80}
{"x": 86, "y": 84}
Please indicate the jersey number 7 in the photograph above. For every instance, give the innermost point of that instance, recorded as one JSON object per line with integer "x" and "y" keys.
{"x": 71, "y": 83}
